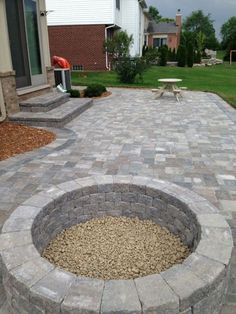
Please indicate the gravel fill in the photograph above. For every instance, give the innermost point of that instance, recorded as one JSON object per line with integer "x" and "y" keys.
{"x": 116, "y": 248}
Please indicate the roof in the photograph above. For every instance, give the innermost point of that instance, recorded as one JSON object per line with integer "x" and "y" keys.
{"x": 162, "y": 27}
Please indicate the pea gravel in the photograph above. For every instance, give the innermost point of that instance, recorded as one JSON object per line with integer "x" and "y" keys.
{"x": 116, "y": 248}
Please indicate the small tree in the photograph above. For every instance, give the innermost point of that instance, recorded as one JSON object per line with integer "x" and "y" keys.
{"x": 190, "y": 55}
{"x": 118, "y": 46}
{"x": 163, "y": 52}
{"x": 181, "y": 56}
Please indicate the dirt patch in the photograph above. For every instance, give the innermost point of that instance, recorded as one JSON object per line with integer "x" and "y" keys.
{"x": 116, "y": 248}
{"x": 17, "y": 139}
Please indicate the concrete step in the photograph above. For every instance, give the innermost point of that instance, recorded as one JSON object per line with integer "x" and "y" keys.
{"x": 44, "y": 103}
{"x": 56, "y": 117}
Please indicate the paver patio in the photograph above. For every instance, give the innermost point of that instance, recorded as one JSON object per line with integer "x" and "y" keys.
{"x": 191, "y": 143}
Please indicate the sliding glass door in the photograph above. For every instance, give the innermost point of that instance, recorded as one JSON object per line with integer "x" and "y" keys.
{"x": 24, "y": 34}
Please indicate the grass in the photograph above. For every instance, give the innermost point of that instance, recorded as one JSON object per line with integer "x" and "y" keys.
{"x": 218, "y": 79}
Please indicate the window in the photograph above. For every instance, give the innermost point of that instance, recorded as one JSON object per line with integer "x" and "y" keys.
{"x": 158, "y": 42}
{"x": 118, "y": 4}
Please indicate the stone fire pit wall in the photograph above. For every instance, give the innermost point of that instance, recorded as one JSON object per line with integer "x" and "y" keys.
{"x": 197, "y": 286}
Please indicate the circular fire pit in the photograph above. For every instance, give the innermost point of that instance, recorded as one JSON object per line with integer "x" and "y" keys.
{"x": 33, "y": 285}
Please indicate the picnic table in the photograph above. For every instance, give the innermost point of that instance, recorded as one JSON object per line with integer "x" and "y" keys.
{"x": 169, "y": 85}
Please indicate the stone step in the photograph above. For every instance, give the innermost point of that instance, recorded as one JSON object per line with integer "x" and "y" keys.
{"x": 56, "y": 117}
{"x": 44, "y": 103}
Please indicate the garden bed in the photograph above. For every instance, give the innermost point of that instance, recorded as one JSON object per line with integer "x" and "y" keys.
{"x": 18, "y": 139}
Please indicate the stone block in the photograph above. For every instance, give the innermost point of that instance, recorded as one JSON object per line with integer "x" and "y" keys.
{"x": 113, "y": 197}
{"x": 83, "y": 297}
{"x": 215, "y": 250}
{"x": 158, "y": 203}
{"x": 39, "y": 200}
{"x": 105, "y": 183}
{"x": 211, "y": 303}
{"x": 206, "y": 269}
{"x": 212, "y": 220}
{"x": 29, "y": 273}
{"x": 71, "y": 188}
{"x": 156, "y": 296}
{"x": 29, "y": 212}
{"x": 98, "y": 197}
{"x": 14, "y": 224}
{"x": 185, "y": 284}
{"x": 145, "y": 199}
{"x": 14, "y": 239}
{"x": 129, "y": 197}
{"x": 50, "y": 291}
{"x": 120, "y": 296}
{"x": 19, "y": 255}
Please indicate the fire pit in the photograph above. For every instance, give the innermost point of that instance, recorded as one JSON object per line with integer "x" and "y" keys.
{"x": 34, "y": 285}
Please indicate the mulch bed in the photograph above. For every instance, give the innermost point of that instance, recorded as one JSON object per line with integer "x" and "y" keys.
{"x": 17, "y": 139}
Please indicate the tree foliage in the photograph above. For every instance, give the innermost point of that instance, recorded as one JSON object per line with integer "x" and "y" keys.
{"x": 197, "y": 23}
{"x": 154, "y": 14}
{"x": 228, "y": 32}
{"x": 118, "y": 46}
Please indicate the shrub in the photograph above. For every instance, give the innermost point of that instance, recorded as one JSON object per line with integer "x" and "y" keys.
{"x": 74, "y": 93}
{"x": 181, "y": 56}
{"x": 151, "y": 55}
{"x": 163, "y": 51}
{"x": 129, "y": 68}
{"x": 190, "y": 55}
{"x": 94, "y": 90}
{"x": 197, "y": 57}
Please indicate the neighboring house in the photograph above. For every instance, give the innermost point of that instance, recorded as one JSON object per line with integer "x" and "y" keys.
{"x": 164, "y": 33}
{"x": 25, "y": 66}
{"x": 78, "y": 29}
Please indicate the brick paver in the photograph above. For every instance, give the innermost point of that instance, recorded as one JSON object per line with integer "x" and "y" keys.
{"x": 191, "y": 143}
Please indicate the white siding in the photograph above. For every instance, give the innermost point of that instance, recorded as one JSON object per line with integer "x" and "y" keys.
{"x": 80, "y": 12}
{"x": 133, "y": 23}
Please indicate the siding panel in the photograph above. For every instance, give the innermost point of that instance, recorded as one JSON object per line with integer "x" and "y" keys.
{"x": 80, "y": 12}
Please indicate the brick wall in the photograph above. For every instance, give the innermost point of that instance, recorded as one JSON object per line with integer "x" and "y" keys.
{"x": 172, "y": 40}
{"x": 79, "y": 44}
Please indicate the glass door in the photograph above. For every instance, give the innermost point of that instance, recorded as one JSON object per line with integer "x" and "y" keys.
{"x": 33, "y": 41}
{"x": 18, "y": 44}
{"x": 24, "y": 35}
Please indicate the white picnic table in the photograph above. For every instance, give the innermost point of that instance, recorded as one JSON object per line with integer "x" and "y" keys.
{"x": 169, "y": 85}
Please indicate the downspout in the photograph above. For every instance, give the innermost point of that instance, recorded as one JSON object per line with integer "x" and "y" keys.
{"x": 106, "y": 28}
{"x": 3, "y": 113}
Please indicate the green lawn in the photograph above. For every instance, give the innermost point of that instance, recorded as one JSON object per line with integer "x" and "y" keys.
{"x": 219, "y": 79}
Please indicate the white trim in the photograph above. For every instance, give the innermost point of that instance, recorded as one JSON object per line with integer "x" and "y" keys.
{"x": 160, "y": 36}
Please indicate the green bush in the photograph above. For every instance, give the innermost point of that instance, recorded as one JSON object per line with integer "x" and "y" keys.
{"x": 181, "y": 56}
{"x": 197, "y": 57}
{"x": 163, "y": 51}
{"x": 74, "y": 93}
{"x": 190, "y": 55}
{"x": 94, "y": 90}
{"x": 129, "y": 69}
{"x": 151, "y": 55}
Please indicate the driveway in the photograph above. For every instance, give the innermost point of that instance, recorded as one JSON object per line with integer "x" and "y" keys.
{"x": 191, "y": 143}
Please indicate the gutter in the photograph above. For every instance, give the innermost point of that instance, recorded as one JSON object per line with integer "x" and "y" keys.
{"x": 3, "y": 113}
{"x": 106, "y": 28}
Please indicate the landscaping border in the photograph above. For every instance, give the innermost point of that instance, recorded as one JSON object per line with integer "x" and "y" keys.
{"x": 197, "y": 286}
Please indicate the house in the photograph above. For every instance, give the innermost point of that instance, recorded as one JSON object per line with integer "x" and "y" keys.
{"x": 78, "y": 29}
{"x": 164, "y": 33}
{"x": 25, "y": 66}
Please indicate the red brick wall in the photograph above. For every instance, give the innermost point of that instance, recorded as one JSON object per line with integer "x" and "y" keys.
{"x": 79, "y": 44}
